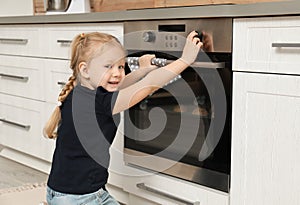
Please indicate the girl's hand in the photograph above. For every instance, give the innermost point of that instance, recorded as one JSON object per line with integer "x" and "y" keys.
{"x": 145, "y": 62}
{"x": 191, "y": 48}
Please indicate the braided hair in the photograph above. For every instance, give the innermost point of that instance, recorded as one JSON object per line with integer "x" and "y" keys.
{"x": 83, "y": 48}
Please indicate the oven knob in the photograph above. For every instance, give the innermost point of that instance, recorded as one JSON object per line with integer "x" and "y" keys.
{"x": 149, "y": 36}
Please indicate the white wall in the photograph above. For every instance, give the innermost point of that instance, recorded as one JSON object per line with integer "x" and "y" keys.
{"x": 16, "y": 7}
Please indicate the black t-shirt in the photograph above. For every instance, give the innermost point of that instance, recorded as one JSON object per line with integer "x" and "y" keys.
{"x": 85, "y": 133}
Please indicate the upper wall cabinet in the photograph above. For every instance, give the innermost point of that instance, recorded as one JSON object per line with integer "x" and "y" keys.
{"x": 269, "y": 45}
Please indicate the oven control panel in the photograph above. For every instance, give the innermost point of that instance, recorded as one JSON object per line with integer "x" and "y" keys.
{"x": 149, "y": 36}
{"x": 170, "y": 35}
{"x": 171, "y": 41}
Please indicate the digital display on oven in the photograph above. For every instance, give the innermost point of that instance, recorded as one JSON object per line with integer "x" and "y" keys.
{"x": 171, "y": 28}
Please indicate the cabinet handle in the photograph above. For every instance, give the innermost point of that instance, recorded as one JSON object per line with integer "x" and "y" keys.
{"x": 286, "y": 45}
{"x": 64, "y": 42}
{"x": 26, "y": 127}
{"x": 13, "y": 40}
{"x": 61, "y": 83}
{"x": 14, "y": 77}
{"x": 155, "y": 191}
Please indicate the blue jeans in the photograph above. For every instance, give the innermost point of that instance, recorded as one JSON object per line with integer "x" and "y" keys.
{"x": 100, "y": 197}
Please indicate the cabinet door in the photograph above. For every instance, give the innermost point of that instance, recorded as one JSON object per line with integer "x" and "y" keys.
{"x": 265, "y": 139}
{"x": 19, "y": 40}
{"x": 269, "y": 45}
{"x": 57, "y": 73}
{"x": 22, "y": 76}
{"x": 21, "y": 123}
{"x": 59, "y": 37}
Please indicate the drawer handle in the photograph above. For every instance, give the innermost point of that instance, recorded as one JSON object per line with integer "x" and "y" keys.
{"x": 61, "y": 83}
{"x": 13, "y": 40}
{"x": 155, "y": 191}
{"x": 26, "y": 127}
{"x": 14, "y": 77}
{"x": 64, "y": 42}
{"x": 286, "y": 45}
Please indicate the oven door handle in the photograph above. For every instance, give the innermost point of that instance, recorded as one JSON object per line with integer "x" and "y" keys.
{"x": 155, "y": 191}
{"x": 160, "y": 62}
{"x": 212, "y": 65}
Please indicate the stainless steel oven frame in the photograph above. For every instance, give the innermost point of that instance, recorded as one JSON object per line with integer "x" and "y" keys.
{"x": 143, "y": 36}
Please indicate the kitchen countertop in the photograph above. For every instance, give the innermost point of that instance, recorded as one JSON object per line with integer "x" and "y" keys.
{"x": 291, "y": 7}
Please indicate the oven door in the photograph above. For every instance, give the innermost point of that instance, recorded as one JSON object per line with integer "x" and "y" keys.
{"x": 183, "y": 129}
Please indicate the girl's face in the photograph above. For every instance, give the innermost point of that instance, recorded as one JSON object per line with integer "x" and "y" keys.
{"x": 107, "y": 69}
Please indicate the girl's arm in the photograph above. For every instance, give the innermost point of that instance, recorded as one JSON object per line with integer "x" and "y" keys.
{"x": 144, "y": 68}
{"x": 157, "y": 78}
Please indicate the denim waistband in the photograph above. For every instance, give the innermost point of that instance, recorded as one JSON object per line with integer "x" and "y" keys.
{"x": 56, "y": 193}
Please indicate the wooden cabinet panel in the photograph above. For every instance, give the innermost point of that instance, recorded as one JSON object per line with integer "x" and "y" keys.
{"x": 33, "y": 69}
{"x": 107, "y": 5}
{"x": 22, "y": 76}
{"x": 57, "y": 73}
{"x": 21, "y": 123}
{"x": 59, "y": 37}
{"x": 265, "y": 139}
{"x": 19, "y": 40}
{"x": 269, "y": 45}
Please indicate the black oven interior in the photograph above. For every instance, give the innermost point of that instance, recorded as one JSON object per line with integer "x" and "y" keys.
{"x": 214, "y": 170}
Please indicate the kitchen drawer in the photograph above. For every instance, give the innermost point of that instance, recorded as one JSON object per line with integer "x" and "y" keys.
{"x": 59, "y": 37}
{"x": 57, "y": 73}
{"x": 19, "y": 40}
{"x": 267, "y": 44}
{"x": 22, "y": 76}
{"x": 173, "y": 187}
{"x": 21, "y": 123}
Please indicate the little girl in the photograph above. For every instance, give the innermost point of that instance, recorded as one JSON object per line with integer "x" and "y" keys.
{"x": 98, "y": 87}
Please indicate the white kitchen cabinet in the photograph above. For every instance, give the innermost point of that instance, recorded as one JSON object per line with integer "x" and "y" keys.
{"x": 20, "y": 40}
{"x": 21, "y": 126}
{"x": 22, "y": 76}
{"x": 266, "y": 113}
{"x": 265, "y": 140}
{"x": 267, "y": 45}
{"x": 34, "y": 66}
{"x": 59, "y": 37}
{"x": 57, "y": 72}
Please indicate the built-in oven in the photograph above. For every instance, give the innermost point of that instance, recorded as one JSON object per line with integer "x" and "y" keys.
{"x": 183, "y": 129}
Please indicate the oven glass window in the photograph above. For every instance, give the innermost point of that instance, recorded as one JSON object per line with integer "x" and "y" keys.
{"x": 177, "y": 104}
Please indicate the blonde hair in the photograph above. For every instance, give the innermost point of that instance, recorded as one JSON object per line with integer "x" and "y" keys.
{"x": 84, "y": 47}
